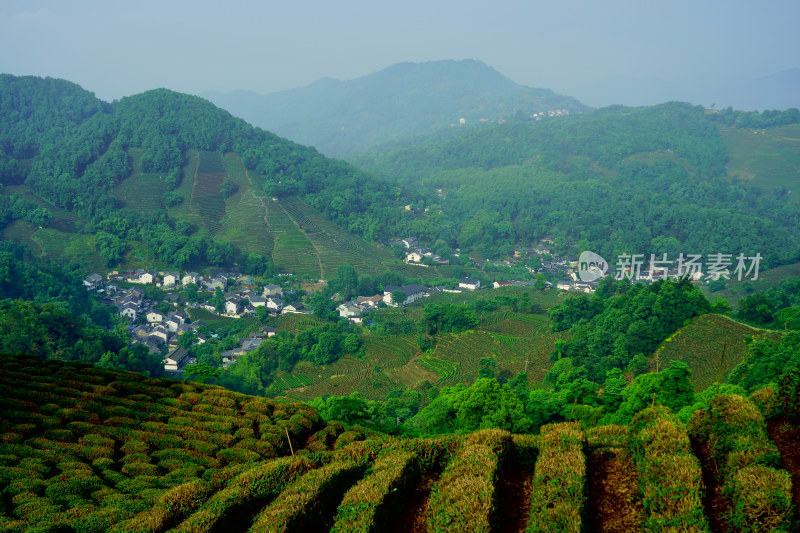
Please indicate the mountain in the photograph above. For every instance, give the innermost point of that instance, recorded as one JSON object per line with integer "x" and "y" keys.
{"x": 776, "y": 91}
{"x": 180, "y": 182}
{"x": 405, "y": 100}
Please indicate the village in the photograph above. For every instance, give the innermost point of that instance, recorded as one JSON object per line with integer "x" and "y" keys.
{"x": 158, "y": 323}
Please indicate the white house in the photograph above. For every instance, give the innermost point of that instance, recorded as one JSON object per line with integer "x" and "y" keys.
{"x": 564, "y": 285}
{"x": 93, "y": 281}
{"x": 293, "y": 308}
{"x": 191, "y": 277}
{"x": 413, "y": 257}
{"x": 257, "y": 301}
{"x": 172, "y": 325}
{"x": 160, "y": 333}
{"x": 220, "y": 282}
{"x": 413, "y": 293}
{"x": 170, "y": 278}
{"x": 274, "y": 304}
{"x": 272, "y": 290}
{"x": 129, "y": 310}
{"x": 148, "y": 276}
{"x": 232, "y": 306}
{"x": 155, "y": 316}
{"x": 176, "y": 359}
{"x": 469, "y": 283}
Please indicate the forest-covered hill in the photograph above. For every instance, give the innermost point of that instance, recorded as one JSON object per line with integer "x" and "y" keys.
{"x": 191, "y": 179}
{"x": 669, "y": 178}
{"x": 401, "y": 102}
{"x": 178, "y": 167}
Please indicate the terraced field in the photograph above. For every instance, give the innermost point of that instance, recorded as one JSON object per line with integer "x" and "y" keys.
{"x": 334, "y": 245}
{"x": 700, "y": 345}
{"x": 293, "y": 251}
{"x": 89, "y": 449}
{"x": 529, "y": 350}
{"x": 206, "y": 201}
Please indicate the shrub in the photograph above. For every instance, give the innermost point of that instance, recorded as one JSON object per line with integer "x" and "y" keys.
{"x": 670, "y": 480}
{"x": 140, "y": 469}
{"x": 559, "y": 485}
{"x": 305, "y": 504}
{"x": 464, "y": 497}
{"x": 247, "y": 490}
{"x": 732, "y": 435}
{"x": 169, "y": 509}
{"x": 369, "y": 504}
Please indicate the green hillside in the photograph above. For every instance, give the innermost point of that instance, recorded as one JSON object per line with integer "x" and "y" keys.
{"x": 700, "y": 344}
{"x": 657, "y": 179}
{"x": 92, "y": 450}
{"x": 169, "y": 180}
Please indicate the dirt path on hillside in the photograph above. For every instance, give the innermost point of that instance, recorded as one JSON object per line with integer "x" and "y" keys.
{"x": 614, "y": 504}
{"x": 194, "y": 183}
{"x": 514, "y": 487}
{"x": 316, "y": 251}
{"x": 413, "y": 513}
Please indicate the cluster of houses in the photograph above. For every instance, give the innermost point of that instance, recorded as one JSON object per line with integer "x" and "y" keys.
{"x": 151, "y": 327}
{"x": 417, "y": 254}
{"x": 355, "y": 309}
{"x": 246, "y": 345}
{"x": 179, "y": 357}
{"x": 216, "y": 279}
{"x": 239, "y": 301}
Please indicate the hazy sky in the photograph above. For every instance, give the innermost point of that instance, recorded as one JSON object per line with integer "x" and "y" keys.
{"x": 120, "y": 48}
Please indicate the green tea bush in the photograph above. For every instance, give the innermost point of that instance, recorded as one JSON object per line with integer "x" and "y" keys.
{"x": 242, "y": 493}
{"x": 558, "y": 498}
{"x": 369, "y": 505}
{"x": 464, "y": 497}
{"x": 670, "y": 480}
{"x": 733, "y": 436}
{"x": 310, "y": 502}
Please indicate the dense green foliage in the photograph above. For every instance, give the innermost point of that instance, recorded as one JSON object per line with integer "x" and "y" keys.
{"x": 754, "y": 119}
{"x": 607, "y": 333}
{"x": 641, "y": 180}
{"x": 253, "y": 372}
{"x": 71, "y": 149}
{"x": 767, "y": 361}
{"x": 778, "y": 306}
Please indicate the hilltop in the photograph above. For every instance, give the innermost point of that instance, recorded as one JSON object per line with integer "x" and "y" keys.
{"x": 403, "y": 101}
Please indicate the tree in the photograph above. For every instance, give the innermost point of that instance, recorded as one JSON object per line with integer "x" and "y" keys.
{"x": 228, "y": 188}
{"x": 677, "y": 390}
{"x": 346, "y": 281}
{"x": 201, "y": 373}
{"x": 218, "y": 300}
{"x": 487, "y": 366}
{"x": 487, "y": 404}
{"x": 399, "y": 297}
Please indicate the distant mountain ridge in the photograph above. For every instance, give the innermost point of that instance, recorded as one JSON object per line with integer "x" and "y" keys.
{"x": 405, "y": 100}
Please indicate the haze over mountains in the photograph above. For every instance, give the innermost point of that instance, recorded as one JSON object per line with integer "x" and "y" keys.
{"x": 401, "y": 101}
{"x": 407, "y": 100}
{"x": 780, "y": 90}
